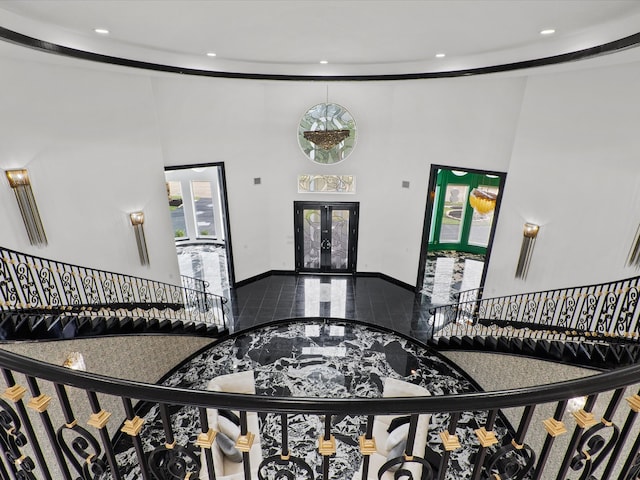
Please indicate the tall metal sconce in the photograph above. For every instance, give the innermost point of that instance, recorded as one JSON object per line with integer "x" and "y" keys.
{"x": 21, "y": 185}
{"x": 137, "y": 220}
{"x": 633, "y": 260}
{"x": 528, "y": 241}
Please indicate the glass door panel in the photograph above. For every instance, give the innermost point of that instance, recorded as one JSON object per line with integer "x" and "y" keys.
{"x": 312, "y": 237}
{"x": 176, "y": 203}
{"x": 340, "y": 239}
{"x": 481, "y": 224}
{"x": 326, "y": 237}
{"x": 203, "y": 208}
{"x": 453, "y": 213}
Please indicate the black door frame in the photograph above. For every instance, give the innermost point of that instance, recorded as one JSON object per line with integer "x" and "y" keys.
{"x": 222, "y": 179}
{"x": 424, "y": 248}
{"x": 325, "y": 255}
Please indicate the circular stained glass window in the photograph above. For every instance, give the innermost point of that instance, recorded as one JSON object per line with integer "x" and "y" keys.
{"x": 327, "y": 133}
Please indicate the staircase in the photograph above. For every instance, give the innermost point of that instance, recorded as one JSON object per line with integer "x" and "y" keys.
{"x": 596, "y": 326}
{"x": 46, "y": 299}
{"x": 35, "y": 326}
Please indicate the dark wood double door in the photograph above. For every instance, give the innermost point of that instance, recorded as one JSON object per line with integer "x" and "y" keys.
{"x": 326, "y": 236}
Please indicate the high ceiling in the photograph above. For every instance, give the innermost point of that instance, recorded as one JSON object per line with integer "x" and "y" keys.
{"x": 355, "y": 37}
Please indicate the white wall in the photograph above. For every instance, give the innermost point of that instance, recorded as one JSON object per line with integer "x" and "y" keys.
{"x": 89, "y": 141}
{"x": 96, "y": 141}
{"x": 402, "y": 129}
{"x": 575, "y": 172}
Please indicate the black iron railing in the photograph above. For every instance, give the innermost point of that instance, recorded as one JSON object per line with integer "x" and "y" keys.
{"x": 193, "y": 283}
{"x": 29, "y": 283}
{"x": 43, "y": 435}
{"x": 604, "y": 310}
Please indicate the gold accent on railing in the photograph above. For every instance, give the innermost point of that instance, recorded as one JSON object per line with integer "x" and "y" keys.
{"x": 587, "y": 457}
{"x": 367, "y": 445}
{"x": 554, "y": 427}
{"x": 39, "y": 403}
{"x": 71, "y": 424}
{"x": 634, "y": 402}
{"x": 606, "y": 423}
{"x": 188, "y": 476}
{"x": 450, "y": 442}
{"x": 285, "y": 457}
{"x": 516, "y": 445}
{"x": 169, "y": 446}
{"x": 486, "y": 438}
{"x": 132, "y": 427}
{"x": 408, "y": 458}
{"x": 89, "y": 459}
{"x": 327, "y": 447}
{"x": 18, "y": 461}
{"x": 584, "y": 419}
{"x": 15, "y": 393}
{"x": 245, "y": 442}
{"x": 99, "y": 420}
{"x": 205, "y": 440}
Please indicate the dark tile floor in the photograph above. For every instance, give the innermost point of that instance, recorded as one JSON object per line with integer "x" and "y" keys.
{"x": 368, "y": 299}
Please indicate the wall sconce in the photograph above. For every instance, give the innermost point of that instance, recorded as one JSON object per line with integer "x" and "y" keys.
{"x": 75, "y": 361}
{"x": 528, "y": 241}
{"x": 633, "y": 260}
{"x": 19, "y": 182}
{"x": 137, "y": 220}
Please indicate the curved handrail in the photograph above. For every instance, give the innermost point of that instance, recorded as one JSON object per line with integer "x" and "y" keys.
{"x": 364, "y": 406}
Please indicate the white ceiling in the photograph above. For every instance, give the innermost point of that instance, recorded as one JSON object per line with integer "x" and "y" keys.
{"x": 359, "y": 37}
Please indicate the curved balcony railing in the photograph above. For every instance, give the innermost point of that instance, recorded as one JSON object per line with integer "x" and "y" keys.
{"x": 43, "y": 435}
{"x": 29, "y": 283}
{"x": 607, "y": 310}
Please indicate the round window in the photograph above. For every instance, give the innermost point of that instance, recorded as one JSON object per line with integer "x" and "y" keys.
{"x": 327, "y": 133}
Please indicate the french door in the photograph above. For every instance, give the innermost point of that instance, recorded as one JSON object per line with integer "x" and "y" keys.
{"x": 326, "y": 236}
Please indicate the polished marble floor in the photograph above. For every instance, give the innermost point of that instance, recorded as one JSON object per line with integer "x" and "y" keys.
{"x": 368, "y": 299}
{"x": 315, "y": 358}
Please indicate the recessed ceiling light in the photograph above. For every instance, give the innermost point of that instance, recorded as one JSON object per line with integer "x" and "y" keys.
{"x": 211, "y": 54}
{"x": 440, "y": 55}
{"x": 547, "y": 31}
{"x": 101, "y": 31}
{"x": 324, "y": 62}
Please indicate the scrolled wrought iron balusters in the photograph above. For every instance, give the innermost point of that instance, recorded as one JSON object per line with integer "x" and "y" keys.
{"x": 71, "y": 291}
{"x": 8, "y": 291}
{"x": 24, "y": 464}
{"x": 326, "y": 446}
{"x": 514, "y": 461}
{"x": 284, "y": 465}
{"x": 584, "y": 419}
{"x": 628, "y": 469}
{"x": 205, "y": 442}
{"x": 450, "y": 443}
{"x": 487, "y": 438}
{"x": 48, "y": 284}
{"x": 83, "y": 452}
{"x": 587, "y": 312}
{"x": 12, "y": 440}
{"x": 408, "y": 457}
{"x": 627, "y": 314}
{"x": 567, "y": 310}
{"x": 555, "y": 427}
{"x": 607, "y": 313}
{"x": 40, "y": 403}
{"x": 99, "y": 420}
{"x": 172, "y": 461}
{"x": 26, "y": 281}
{"x": 593, "y": 449}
